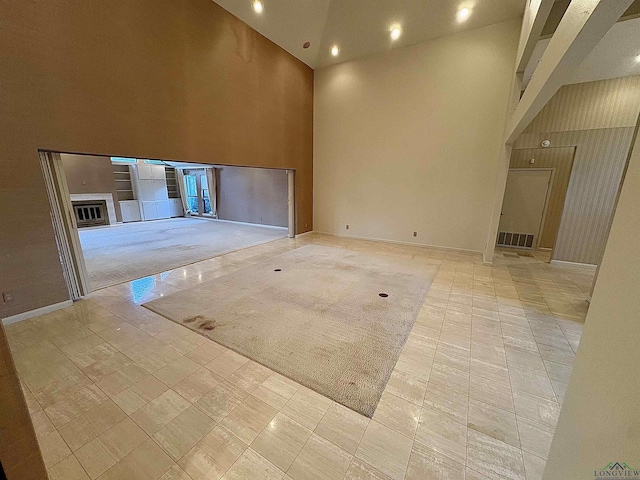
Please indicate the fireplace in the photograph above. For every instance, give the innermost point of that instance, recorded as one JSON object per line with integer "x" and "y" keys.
{"x": 90, "y": 213}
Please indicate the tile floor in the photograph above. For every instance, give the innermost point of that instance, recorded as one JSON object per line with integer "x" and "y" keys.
{"x": 118, "y": 392}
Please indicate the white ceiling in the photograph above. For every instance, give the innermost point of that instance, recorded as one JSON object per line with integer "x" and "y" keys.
{"x": 361, "y": 27}
{"x": 614, "y": 56}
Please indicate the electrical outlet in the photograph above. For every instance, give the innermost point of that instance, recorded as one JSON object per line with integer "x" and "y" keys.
{"x": 415, "y": 234}
{"x": 347, "y": 227}
{"x": 8, "y": 297}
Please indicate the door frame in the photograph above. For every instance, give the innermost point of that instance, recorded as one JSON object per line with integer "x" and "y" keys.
{"x": 64, "y": 225}
{"x": 546, "y": 198}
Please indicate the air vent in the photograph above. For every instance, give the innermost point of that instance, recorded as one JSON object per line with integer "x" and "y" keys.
{"x": 511, "y": 239}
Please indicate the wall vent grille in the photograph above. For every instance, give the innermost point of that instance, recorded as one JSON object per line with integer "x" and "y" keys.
{"x": 511, "y": 239}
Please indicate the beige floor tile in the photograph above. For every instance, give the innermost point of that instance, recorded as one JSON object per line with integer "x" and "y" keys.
{"x": 450, "y": 378}
{"x": 61, "y": 388}
{"x": 492, "y": 392}
{"x": 250, "y": 466}
{"x": 176, "y": 371}
{"x": 175, "y": 473}
{"x": 198, "y": 384}
{"x": 221, "y": 400}
{"x": 405, "y": 386}
{"x": 122, "y": 379}
{"x": 441, "y": 433}
{"x": 75, "y": 405}
{"x": 68, "y": 469}
{"x": 320, "y": 459}
{"x": 227, "y": 363}
{"x": 492, "y": 421}
{"x": 307, "y": 407}
{"x": 158, "y": 359}
{"x": 146, "y": 462}
{"x": 427, "y": 464}
{"x": 536, "y": 408}
{"x": 89, "y": 425}
{"x": 343, "y": 427}
{"x": 560, "y": 389}
{"x": 539, "y": 386}
{"x": 180, "y": 435}
{"x": 206, "y": 352}
{"x": 212, "y": 456}
{"x": 360, "y": 470}
{"x": 473, "y": 475}
{"x": 247, "y": 420}
{"x": 97, "y": 456}
{"x": 249, "y": 376}
{"x": 535, "y": 437}
{"x": 53, "y": 449}
{"x": 447, "y": 401}
{"x": 140, "y": 394}
{"x": 534, "y": 466}
{"x": 41, "y": 424}
{"x": 386, "y": 450}
{"x": 159, "y": 411}
{"x": 281, "y": 441}
{"x": 398, "y": 414}
{"x": 493, "y": 458}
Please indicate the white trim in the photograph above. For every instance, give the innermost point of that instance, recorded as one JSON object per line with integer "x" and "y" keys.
{"x": 107, "y": 197}
{"x": 562, "y": 263}
{"x": 398, "y": 242}
{"x": 37, "y": 312}
{"x": 197, "y": 217}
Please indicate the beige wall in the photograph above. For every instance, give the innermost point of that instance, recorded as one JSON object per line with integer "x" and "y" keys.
{"x": 19, "y": 451}
{"x": 597, "y": 118}
{"x": 90, "y": 174}
{"x": 253, "y": 195}
{"x": 600, "y": 418}
{"x": 409, "y": 140}
{"x": 175, "y": 80}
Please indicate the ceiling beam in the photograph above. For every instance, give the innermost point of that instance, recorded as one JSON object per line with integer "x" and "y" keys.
{"x": 535, "y": 18}
{"x": 584, "y": 24}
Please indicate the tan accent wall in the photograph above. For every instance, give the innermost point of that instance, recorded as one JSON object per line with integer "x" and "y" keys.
{"x": 409, "y": 140}
{"x": 176, "y": 80}
{"x": 19, "y": 451}
{"x": 253, "y": 195}
{"x": 90, "y": 174}
{"x": 561, "y": 160}
{"x": 600, "y": 419}
{"x": 598, "y": 119}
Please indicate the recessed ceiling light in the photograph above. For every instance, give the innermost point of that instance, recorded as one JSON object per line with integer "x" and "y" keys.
{"x": 638, "y": 59}
{"x": 335, "y": 50}
{"x": 463, "y": 14}
{"x": 257, "y": 6}
{"x": 396, "y": 31}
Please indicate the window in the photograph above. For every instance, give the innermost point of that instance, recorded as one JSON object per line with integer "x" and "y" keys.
{"x": 154, "y": 162}
{"x": 123, "y": 160}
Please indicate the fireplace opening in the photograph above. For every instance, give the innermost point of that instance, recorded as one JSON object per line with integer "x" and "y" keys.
{"x": 90, "y": 213}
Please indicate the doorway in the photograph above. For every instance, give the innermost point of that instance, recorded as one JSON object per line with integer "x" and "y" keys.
{"x": 198, "y": 193}
{"x": 141, "y": 233}
{"x": 524, "y": 207}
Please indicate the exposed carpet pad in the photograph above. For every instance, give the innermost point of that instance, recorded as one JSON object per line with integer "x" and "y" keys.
{"x": 126, "y": 252}
{"x": 314, "y": 315}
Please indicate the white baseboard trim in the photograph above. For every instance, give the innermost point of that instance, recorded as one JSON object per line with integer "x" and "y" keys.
{"x": 34, "y": 313}
{"x": 562, "y": 263}
{"x": 398, "y": 242}
{"x": 275, "y": 227}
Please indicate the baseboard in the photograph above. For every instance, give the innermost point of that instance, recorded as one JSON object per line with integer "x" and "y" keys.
{"x": 562, "y": 263}
{"x": 398, "y": 242}
{"x": 275, "y": 227}
{"x": 37, "y": 312}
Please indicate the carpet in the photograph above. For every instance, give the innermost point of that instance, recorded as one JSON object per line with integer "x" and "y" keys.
{"x": 122, "y": 253}
{"x": 314, "y": 315}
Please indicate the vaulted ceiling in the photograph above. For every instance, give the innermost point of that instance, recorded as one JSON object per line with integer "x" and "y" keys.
{"x": 361, "y": 27}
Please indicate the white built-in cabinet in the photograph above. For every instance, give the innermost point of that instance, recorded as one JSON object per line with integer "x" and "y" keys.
{"x": 150, "y": 186}
{"x": 130, "y": 210}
